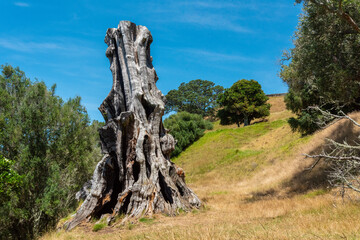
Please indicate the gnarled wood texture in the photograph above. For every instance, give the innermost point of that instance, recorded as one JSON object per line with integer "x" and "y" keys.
{"x": 135, "y": 177}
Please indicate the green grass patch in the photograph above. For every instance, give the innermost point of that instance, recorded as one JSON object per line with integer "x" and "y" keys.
{"x": 232, "y": 156}
{"x": 287, "y": 148}
{"x": 227, "y": 138}
{"x": 219, "y": 193}
{"x": 146, "y": 220}
{"x": 181, "y": 211}
{"x": 98, "y": 226}
{"x": 315, "y": 193}
{"x": 194, "y": 211}
{"x": 220, "y": 148}
{"x": 131, "y": 225}
{"x": 237, "y": 155}
{"x": 203, "y": 208}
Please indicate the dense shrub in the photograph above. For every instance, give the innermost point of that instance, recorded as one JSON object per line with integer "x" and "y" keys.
{"x": 186, "y": 129}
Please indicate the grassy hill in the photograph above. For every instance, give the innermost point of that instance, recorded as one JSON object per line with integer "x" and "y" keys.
{"x": 254, "y": 185}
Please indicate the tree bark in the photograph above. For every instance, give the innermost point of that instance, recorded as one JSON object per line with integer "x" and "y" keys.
{"x": 135, "y": 177}
{"x": 246, "y": 121}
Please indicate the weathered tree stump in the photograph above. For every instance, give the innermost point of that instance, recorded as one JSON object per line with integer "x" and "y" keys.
{"x": 136, "y": 176}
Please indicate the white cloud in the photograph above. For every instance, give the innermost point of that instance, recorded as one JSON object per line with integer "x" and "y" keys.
{"x": 206, "y": 14}
{"x": 210, "y": 4}
{"x": 58, "y": 45}
{"x": 214, "y": 21}
{"x": 22, "y": 46}
{"x": 253, "y": 5}
{"x": 215, "y": 56}
{"x": 206, "y": 55}
{"x": 21, "y": 4}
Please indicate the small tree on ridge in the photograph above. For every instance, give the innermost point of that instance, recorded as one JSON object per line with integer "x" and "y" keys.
{"x": 242, "y": 102}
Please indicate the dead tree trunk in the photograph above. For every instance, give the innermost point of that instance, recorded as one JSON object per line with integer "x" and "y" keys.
{"x": 135, "y": 177}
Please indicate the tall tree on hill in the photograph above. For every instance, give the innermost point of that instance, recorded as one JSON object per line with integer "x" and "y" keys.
{"x": 323, "y": 67}
{"x": 197, "y": 96}
{"x": 325, "y": 61}
{"x": 242, "y": 102}
{"x": 50, "y": 144}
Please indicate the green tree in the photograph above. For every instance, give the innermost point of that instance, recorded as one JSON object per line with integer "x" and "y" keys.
{"x": 186, "y": 128}
{"x": 51, "y": 143}
{"x": 10, "y": 180}
{"x": 197, "y": 96}
{"x": 10, "y": 186}
{"x": 323, "y": 67}
{"x": 243, "y": 102}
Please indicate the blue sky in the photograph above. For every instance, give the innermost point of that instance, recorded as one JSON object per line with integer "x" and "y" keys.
{"x": 62, "y": 42}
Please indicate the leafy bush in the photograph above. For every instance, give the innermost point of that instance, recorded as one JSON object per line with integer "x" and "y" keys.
{"x": 186, "y": 129}
{"x": 52, "y": 147}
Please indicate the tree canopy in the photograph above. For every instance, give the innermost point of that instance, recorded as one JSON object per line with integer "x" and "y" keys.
{"x": 51, "y": 146}
{"x": 242, "y": 102}
{"x": 197, "y": 96}
{"x": 323, "y": 67}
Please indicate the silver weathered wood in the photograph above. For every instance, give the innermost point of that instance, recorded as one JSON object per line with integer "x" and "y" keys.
{"x": 135, "y": 176}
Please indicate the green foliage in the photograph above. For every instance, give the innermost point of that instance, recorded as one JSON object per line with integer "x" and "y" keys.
{"x": 10, "y": 187}
{"x": 243, "y": 102}
{"x": 51, "y": 144}
{"x": 10, "y": 180}
{"x": 186, "y": 129}
{"x": 323, "y": 67}
{"x": 197, "y": 96}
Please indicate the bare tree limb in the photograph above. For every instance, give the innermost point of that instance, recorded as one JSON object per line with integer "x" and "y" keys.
{"x": 342, "y": 158}
{"x": 343, "y": 145}
{"x": 335, "y": 116}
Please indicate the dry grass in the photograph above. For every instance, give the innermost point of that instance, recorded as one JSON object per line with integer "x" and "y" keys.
{"x": 253, "y": 184}
{"x": 277, "y": 104}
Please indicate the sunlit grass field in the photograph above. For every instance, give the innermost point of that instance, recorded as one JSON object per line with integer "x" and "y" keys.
{"x": 253, "y": 184}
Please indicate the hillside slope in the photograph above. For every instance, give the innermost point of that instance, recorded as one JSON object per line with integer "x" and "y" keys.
{"x": 254, "y": 185}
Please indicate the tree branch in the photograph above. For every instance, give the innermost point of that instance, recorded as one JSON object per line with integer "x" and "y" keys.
{"x": 340, "y": 12}
{"x": 343, "y": 145}
{"x": 335, "y": 116}
{"x": 333, "y": 157}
